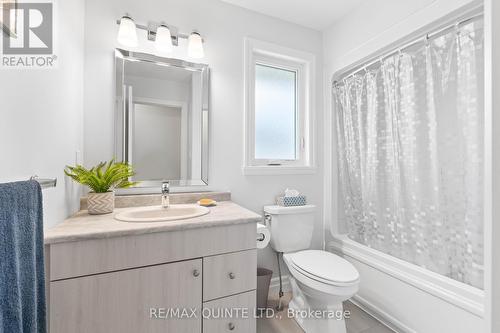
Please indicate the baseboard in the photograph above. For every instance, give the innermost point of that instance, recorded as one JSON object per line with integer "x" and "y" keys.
{"x": 274, "y": 287}
{"x": 382, "y": 316}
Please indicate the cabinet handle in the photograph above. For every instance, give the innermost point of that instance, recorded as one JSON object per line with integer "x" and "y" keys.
{"x": 231, "y": 326}
{"x": 196, "y": 273}
{"x": 232, "y": 276}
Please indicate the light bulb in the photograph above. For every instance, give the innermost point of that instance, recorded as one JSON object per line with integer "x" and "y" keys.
{"x": 127, "y": 34}
{"x": 163, "y": 42}
{"x": 195, "y": 46}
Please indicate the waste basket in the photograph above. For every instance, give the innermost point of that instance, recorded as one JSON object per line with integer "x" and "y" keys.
{"x": 263, "y": 281}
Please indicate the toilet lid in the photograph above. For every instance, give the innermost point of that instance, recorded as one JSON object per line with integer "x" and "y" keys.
{"x": 325, "y": 266}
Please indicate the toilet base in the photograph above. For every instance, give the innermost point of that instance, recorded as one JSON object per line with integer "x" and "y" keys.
{"x": 313, "y": 314}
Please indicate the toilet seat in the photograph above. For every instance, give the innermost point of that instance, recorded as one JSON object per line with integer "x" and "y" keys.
{"x": 324, "y": 267}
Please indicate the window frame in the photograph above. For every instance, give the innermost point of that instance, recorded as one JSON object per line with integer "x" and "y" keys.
{"x": 302, "y": 63}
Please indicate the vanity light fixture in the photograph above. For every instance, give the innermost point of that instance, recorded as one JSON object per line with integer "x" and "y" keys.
{"x": 195, "y": 46}
{"x": 163, "y": 42}
{"x": 127, "y": 34}
{"x": 165, "y": 37}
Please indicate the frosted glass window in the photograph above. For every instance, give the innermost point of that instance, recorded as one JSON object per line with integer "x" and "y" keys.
{"x": 275, "y": 113}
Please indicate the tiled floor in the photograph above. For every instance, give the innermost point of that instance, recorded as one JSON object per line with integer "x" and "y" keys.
{"x": 359, "y": 321}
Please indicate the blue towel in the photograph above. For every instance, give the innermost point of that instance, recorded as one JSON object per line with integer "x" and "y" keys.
{"x": 22, "y": 280}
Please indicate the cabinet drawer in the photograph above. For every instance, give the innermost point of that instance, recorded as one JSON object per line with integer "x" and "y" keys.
{"x": 229, "y": 274}
{"x": 233, "y": 314}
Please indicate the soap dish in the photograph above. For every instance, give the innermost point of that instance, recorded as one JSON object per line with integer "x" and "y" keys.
{"x": 207, "y": 203}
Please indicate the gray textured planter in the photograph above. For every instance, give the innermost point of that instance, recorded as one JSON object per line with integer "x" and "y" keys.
{"x": 101, "y": 203}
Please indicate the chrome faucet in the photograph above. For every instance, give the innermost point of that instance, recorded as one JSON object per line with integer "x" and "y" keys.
{"x": 165, "y": 194}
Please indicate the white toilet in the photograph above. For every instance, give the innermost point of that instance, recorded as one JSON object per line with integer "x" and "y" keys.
{"x": 320, "y": 280}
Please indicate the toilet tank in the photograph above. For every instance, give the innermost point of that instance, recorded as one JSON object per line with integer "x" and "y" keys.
{"x": 291, "y": 227}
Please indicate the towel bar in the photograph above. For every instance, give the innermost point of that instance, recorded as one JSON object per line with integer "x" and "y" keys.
{"x": 45, "y": 182}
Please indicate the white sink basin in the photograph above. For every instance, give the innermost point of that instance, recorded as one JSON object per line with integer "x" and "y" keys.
{"x": 160, "y": 214}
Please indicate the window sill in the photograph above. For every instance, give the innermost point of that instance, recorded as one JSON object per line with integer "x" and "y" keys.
{"x": 278, "y": 170}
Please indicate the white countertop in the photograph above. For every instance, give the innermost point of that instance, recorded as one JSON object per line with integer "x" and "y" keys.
{"x": 83, "y": 226}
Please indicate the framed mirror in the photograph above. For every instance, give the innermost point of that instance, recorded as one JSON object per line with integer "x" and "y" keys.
{"x": 161, "y": 121}
{"x": 8, "y": 9}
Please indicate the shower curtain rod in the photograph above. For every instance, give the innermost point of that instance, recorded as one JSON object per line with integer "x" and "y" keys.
{"x": 425, "y": 38}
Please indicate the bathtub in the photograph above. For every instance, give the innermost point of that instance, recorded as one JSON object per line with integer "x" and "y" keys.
{"x": 409, "y": 298}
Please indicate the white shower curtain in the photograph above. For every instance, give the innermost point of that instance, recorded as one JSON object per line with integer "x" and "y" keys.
{"x": 410, "y": 152}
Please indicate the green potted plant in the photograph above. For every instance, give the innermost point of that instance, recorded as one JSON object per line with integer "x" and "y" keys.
{"x": 102, "y": 179}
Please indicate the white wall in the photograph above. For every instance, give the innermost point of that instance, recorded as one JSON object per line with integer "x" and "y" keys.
{"x": 41, "y": 116}
{"x": 373, "y": 26}
{"x": 224, "y": 27}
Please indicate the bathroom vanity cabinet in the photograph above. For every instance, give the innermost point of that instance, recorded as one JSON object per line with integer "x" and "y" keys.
{"x": 192, "y": 278}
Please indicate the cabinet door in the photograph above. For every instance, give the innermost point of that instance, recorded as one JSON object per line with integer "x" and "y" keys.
{"x": 136, "y": 300}
{"x": 233, "y": 314}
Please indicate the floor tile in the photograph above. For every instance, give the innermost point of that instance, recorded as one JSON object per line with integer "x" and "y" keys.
{"x": 278, "y": 326}
{"x": 280, "y": 323}
{"x": 379, "y": 328}
{"x": 359, "y": 321}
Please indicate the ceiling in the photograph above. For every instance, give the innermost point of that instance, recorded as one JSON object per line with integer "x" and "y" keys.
{"x": 315, "y": 14}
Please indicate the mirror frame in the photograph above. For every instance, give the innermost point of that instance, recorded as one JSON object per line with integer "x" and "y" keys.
{"x": 122, "y": 119}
